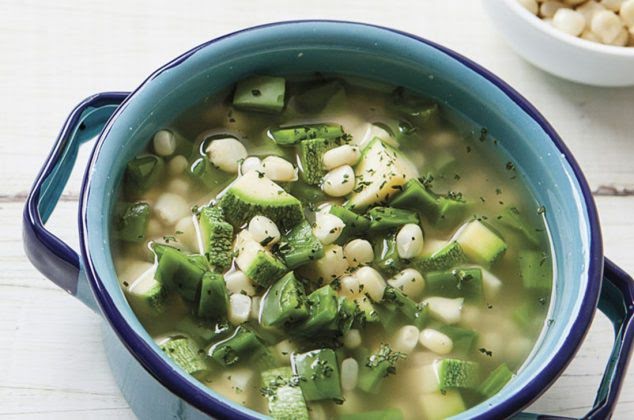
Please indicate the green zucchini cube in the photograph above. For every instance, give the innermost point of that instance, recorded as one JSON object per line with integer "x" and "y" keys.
{"x": 284, "y": 303}
{"x": 319, "y": 375}
{"x": 455, "y": 373}
{"x": 284, "y": 395}
{"x": 130, "y": 221}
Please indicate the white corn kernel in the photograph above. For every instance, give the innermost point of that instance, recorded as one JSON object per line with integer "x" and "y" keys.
{"x": 251, "y": 163}
{"x": 409, "y": 241}
{"x": 569, "y": 21}
{"x": 621, "y": 39}
{"x": 606, "y": 25}
{"x": 573, "y": 2}
{"x": 327, "y": 227}
{"x": 627, "y": 13}
{"x": 409, "y": 281}
{"x": 614, "y": 5}
{"x": 589, "y": 9}
{"x": 278, "y": 169}
{"x": 372, "y": 282}
{"x": 239, "y": 308}
{"x": 187, "y": 234}
{"x": 238, "y": 283}
{"x": 435, "y": 341}
{"x": 491, "y": 285}
{"x": 352, "y": 339}
{"x": 178, "y": 186}
{"x": 338, "y": 182}
{"x": 349, "y": 286}
{"x": 548, "y": 8}
{"x": 177, "y": 165}
{"x": 342, "y": 155}
{"x": 170, "y": 208}
{"x": 358, "y": 252}
{"x": 329, "y": 267}
{"x": 226, "y": 154}
{"x": 164, "y": 143}
{"x": 530, "y": 5}
{"x": 405, "y": 339}
{"x": 264, "y": 230}
{"x": 445, "y": 310}
{"x": 349, "y": 374}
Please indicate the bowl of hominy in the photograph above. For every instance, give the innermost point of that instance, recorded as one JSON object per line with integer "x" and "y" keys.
{"x": 585, "y": 41}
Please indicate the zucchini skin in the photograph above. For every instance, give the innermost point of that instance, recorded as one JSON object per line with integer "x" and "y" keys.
{"x": 285, "y": 398}
{"x": 217, "y": 237}
{"x": 213, "y": 301}
{"x": 300, "y": 246}
{"x": 130, "y": 221}
{"x": 319, "y": 374}
{"x": 284, "y": 303}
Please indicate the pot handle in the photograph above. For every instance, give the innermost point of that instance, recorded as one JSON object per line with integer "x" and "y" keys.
{"x": 49, "y": 254}
{"x": 617, "y": 303}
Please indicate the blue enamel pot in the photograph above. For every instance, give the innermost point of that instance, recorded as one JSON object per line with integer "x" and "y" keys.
{"x": 120, "y": 124}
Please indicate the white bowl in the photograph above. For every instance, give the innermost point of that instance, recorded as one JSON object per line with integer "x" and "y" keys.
{"x": 558, "y": 53}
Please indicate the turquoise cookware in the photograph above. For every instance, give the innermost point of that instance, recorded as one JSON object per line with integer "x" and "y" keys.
{"x": 122, "y": 122}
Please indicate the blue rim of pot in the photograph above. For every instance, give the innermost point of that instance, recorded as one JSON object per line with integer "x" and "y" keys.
{"x": 207, "y": 403}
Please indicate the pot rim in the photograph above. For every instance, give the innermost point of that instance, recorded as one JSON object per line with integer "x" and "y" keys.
{"x": 177, "y": 383}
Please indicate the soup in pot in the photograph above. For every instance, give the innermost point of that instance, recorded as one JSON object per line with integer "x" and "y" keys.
{"x": 327, "y": 247}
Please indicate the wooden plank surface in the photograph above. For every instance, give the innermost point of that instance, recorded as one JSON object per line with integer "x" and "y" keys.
{"x": 56, "y": 53}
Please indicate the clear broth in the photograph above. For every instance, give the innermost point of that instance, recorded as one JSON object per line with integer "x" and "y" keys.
{"x": 480, "y": 173}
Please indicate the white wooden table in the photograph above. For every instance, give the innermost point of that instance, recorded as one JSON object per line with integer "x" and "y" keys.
{"x": 54, "y": 53}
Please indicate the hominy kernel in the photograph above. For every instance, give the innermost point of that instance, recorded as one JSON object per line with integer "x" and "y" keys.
{"x": 276, "y": 168}
{"x": 226, "y": 154}
{"x": 358, "y": 252}
{"x": 339, "y": 182}
{"x": 606, "y": 25}
{"x": 569, "y": 21}
{"x": 435, "y": 341}
{"x": 627, "y": 13}
{"x": 164, "y": 143}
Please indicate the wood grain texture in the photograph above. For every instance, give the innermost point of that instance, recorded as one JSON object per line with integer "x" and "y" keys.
{"x": 56, "y": 53}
